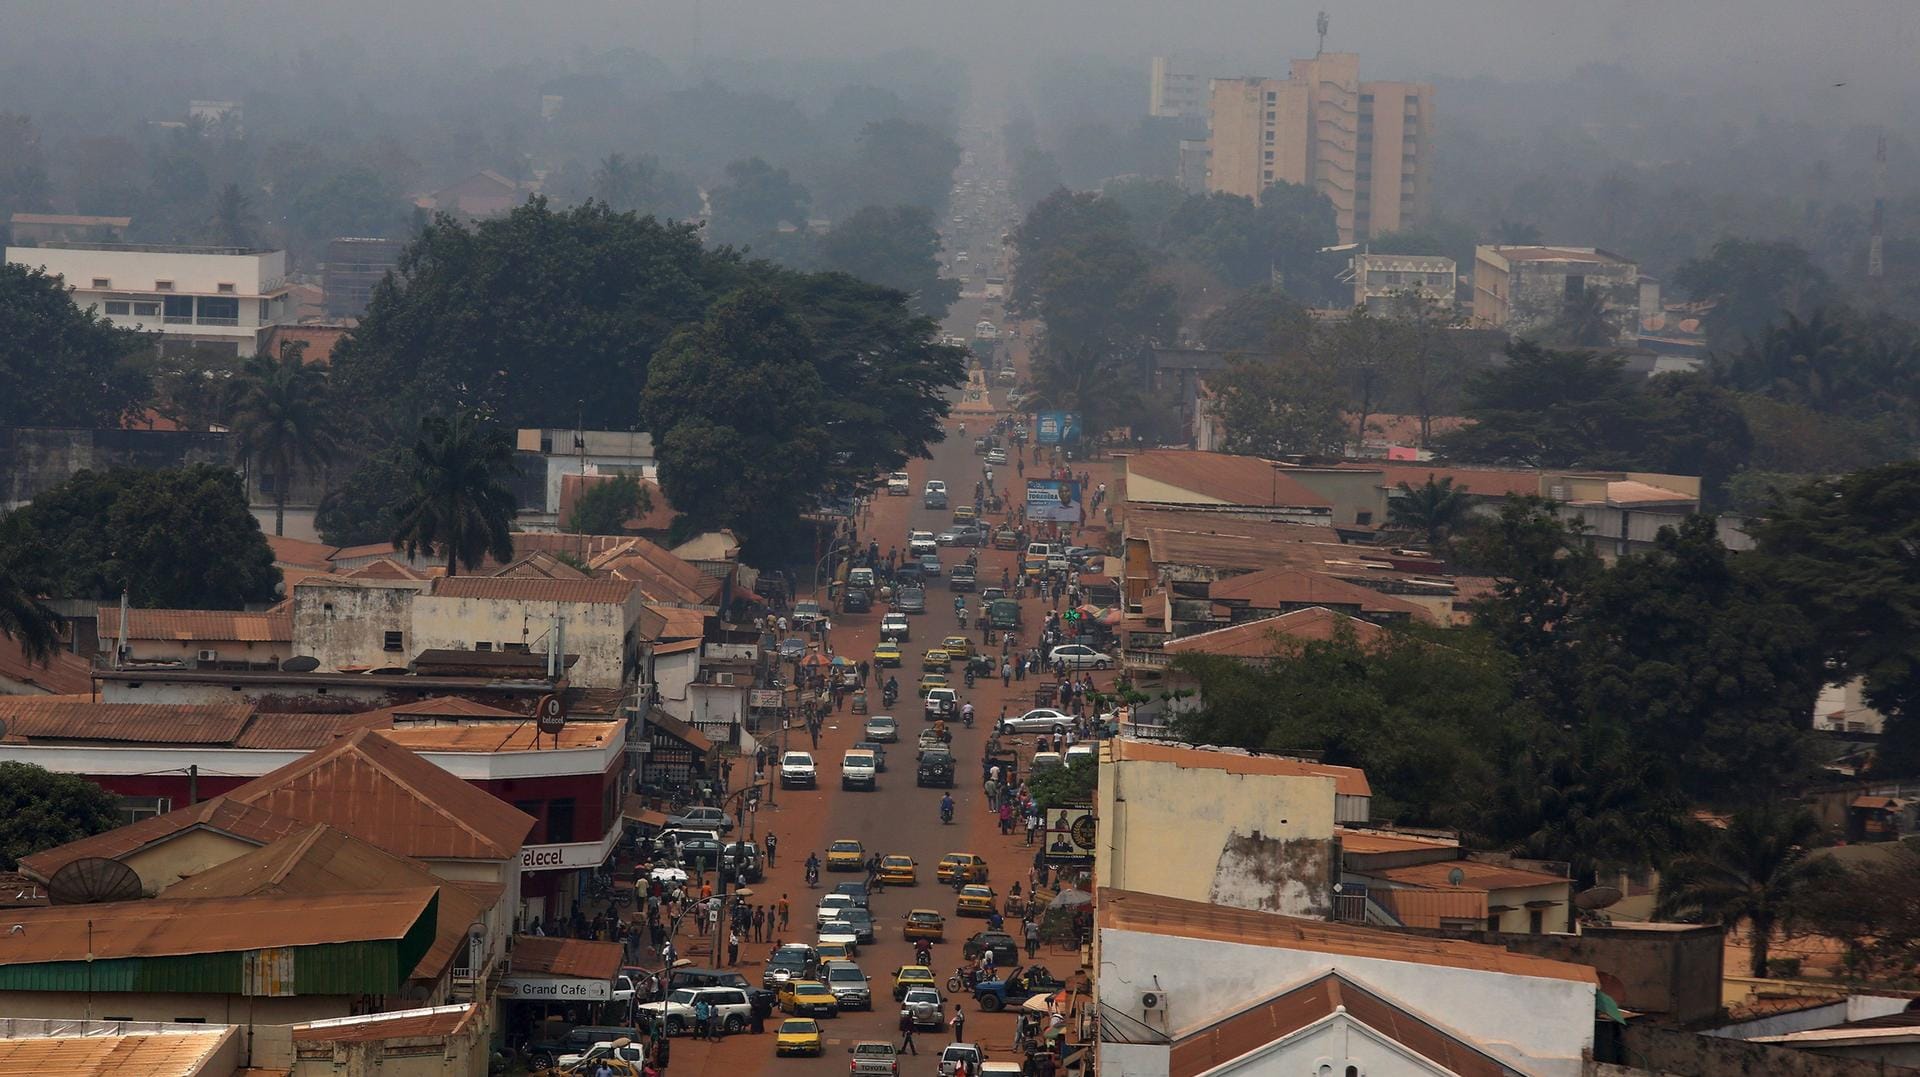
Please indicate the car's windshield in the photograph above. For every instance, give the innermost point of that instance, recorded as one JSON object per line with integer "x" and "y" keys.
{"x": 881, "y": 1049}
{"x": 684, "y": 998}
{"x": 852, "y": 974}
{"x": 784, "y": 958}
{"x": 796, "y": 759}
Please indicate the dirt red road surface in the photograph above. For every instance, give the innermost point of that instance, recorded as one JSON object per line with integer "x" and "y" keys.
{"x": 898, "y": 817}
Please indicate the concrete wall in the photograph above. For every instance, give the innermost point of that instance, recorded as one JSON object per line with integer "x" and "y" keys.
{"x": 1686, "y": 1054}
{"x": 1250, "y": 841}
{"x": 344, "y": 625}
{"x": 1671, "y": 972}
{"x": 599, "y": 632}
{"x": 1539, "y": 1025}
{"x": 160, "y": 1006}
{"x": 191, "y": 853}
{"x": 1351, "y": 492}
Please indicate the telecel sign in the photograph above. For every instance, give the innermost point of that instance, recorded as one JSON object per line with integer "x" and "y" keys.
{"x": 568, "y": 856}
{"x": 555, "y": 989}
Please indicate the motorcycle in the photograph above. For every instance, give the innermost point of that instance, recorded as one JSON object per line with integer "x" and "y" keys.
{"x": 890, "y": 695}
{"x": 966, "y": 715}
{"x": 946, "y": 813}
{"x": 963, "y": 624}
{"x": 813, "y": 875}
{"x": 962, "y": 980}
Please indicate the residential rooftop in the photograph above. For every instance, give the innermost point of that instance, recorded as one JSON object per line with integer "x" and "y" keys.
{"x": 1347, "y": 781}
{"x": 132, "y": 929}
{"x": 1264, "y": 637}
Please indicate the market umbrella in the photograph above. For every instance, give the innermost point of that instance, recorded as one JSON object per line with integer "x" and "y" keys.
{"x": 1067, "y": 899}
{"x": 840, "y": 661}
{"x": 814, "y": 659}
{"x": 1038, "y": 1004}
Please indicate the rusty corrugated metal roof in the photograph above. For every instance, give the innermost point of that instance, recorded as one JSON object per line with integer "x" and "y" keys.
{"x": 303, "y": 732}
{"x": 144, "y": 1054}
{"x": 1347, "y": 781}
{"x": 434, "y": 1022}
{"x": 538, "y": 955}
{"x": 1432, "y": 908}
{"x": 123, "y": 929}
{"x": 500, "y": 736}
{"x": 198, "y": 626}
{"x": 242, "y": 821}
{"x": 533, "y": 589}
{"x": 380, "y": 792}
{"x": 63, "y": 673}
{"x": 126, "y": 723}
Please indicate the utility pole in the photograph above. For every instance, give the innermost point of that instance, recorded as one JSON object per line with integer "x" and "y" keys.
{"x": 1876, "y": 267}
{"x": 1320, "y": 24}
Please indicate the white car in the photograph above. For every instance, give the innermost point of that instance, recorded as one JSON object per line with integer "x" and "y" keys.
{"x": 797, "y": 768}
{"x": 1039, "y": 720}
{"x": 936, "y": 486}
{"x": 922, "y": 542}
{"x": 899, "y": 485}
{"x": 831, "y": 906}
{"x": 631, "y": 1052}
{"x": 1079, "y": 656}
{"x": 896, "y": 627}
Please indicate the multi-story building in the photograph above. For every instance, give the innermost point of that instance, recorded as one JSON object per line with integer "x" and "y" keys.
{"x": 1524, "y": 290}
{"x": 1175, "y": 94}
{"x": 354, "y": 267}
{"x": 1382, "y": 280}
{"x": 1362, "y": 144}
{"x": 223, "y": 298}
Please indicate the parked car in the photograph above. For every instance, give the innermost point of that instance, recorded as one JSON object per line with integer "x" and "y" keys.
{"x": 675, "y": 1015}
{"x": 793, "y": 649}
{"x": 1079, "y": 656}
{"x": 760, "y": 997}
{"x": 1038, "y": 720}
{"x": 1021, "y": 985}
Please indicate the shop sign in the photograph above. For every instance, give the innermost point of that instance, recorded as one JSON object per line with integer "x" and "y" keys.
{"x": 555, "y": 989}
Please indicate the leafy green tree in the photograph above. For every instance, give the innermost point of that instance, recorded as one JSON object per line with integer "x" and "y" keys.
{"x": 1755, "y": 873}
{"x": 233, "y": 222}
{"x": 176, "y": 538}
{"x": 1150, "y": 204}
{"x": 194, "y": 386}
{"x": 642, "y": 185}
{"x": 1367, "y": 352}
{"x": 898, "y": 247}
{"x": 350, "y": 202}
{"x": 27, "y": 621}
{"x": 754, "y": 200}
{"x": 1078, "y": 269}
{"x": 1846, "y": 551}
{"x": 1225, "y": 234}
{"x": 1295, "y": 222}
{"x": 1693, "y": 427}
{"x": 1280, "y": 406}
{"x": 1584, "y": 322}
{"x": 282, "y": 417}
{"x": 459, "y": 506}
{"x": 1751, "y": 283}
{"x": 40, "y": 810}
{"x": 1874, "y": 907}
{"x": 899, "y": 162}
{"x": 60, "y": 365}
{"x": 1548, "y": 408}
{"x": 1066, "y": 786}
{"x": 365, "y": 506}
{"x": 734, "y": 406}
{"x": 1433, "y": 509}
{"x": 604, "y": 508}
{"x": 1258, "y": 319}
{"x": 537, "y": 314}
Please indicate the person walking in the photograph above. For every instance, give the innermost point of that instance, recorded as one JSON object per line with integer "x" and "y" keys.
{"x": 785, "y": 910}
{"x": 772, "y": 844}
{"x": 1006, "y": 673}
{"x": 759, "y": 923}
{"x": 906, "y": 1034}
{"x": 959, "y": 1024}
{"x": 733, "y": 947}
{"x": 1032, "y": 933}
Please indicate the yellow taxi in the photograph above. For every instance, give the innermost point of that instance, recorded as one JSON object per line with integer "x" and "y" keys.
{"x": 925, "y": 924}
{"x": 935, "y": 658}
{"x": 887, "y": 654}
{"x": 897, "y": 870}
{"x": 1034, "y": 566}
{"x": 846, "y": 854}
{"x": 833, "y": 951}
{"x": 974, "y": 900}
{"x": 958, "y": 648}
{"x": 912, "y": 976}
{"x": 964, "y": 512}
{"x": 797, "y": 1036}
{"x": 961, "y": 867}
{"x": 930, "y": 681}
{"x": 807, "y": 998}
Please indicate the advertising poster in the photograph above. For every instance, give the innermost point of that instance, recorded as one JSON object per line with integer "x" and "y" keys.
{"x": 1056, "y": 427}
{"x": 1053, "y": 500}
{"x": 1071, "y": 835}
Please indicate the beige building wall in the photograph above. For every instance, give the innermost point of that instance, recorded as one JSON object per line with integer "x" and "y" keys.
{"x": 1332, "y": 81}
{"x": 1359, "y": 497}
{"x": 1518, "y": 918}
{"x": 1252, "y": 841}
{"x": 1144, "y": 489}
{"x": 1395, "y": 149}
{"x": 599, "y": 632}
{"x": 188, "y": 853}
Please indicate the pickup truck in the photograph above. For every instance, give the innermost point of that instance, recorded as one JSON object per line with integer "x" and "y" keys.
{"x": 873, "y": 1058}
{"x": 1023, "y": 984}
{"x": 857, "y": 770}
{"x": 962, "y": 578}
{"x": 796, "y": 768}
{"x": 955, "y": 1053}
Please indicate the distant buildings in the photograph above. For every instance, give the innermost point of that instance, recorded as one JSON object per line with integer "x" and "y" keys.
{"x": 1367, "y": 146}
{"x": 223, "y": 298}
{"x": 1380, "y": 280}
{"x": 484, "y": 194}
{"x": 353, "y": 268}
{"x": 1175, "y": 94}
{"x": 33, "y": 229}
{"x": 1526, "y": 290}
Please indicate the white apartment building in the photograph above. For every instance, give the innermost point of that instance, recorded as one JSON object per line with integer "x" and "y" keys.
{"x": 208, "y": 297}
{"x": 1382, "y": 280}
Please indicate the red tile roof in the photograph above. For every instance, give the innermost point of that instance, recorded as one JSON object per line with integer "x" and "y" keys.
{"x": 198, "y": 626}
{"x": 533, "y": 589}
{"x": 291, "y": 551}
{"x": 382, "y": 793}
{"x": 126, "y": 723}
{"x": 319, "y": 339}
{"x": 245, "y": 822}
{"x": 1231, "y": 480}
{"x": 62, "y": 674}
{"x": 1289, "y": 1012}
{"x": 1277, "y": 588}
{"x": 542, "y": 566}
{"x": 1347, "y": 781}
{"x": 1263, "y": 638}
{"x": 681, "y": 623}
{"x": 385, "y": 568}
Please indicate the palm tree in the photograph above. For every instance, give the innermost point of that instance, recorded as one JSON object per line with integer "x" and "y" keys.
{"x": 459, "y": 507}
{"x": 26, "y": 620}
{"x": 1756, "y": 872}
{"x": 1584, "y": 322}
{"x": 283, "y": 419}
{"x": 1433, "y": 508}
{"x": 233, "y": 220}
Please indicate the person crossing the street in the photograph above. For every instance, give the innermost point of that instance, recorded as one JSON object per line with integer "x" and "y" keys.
{"x": 906, "y": 1034}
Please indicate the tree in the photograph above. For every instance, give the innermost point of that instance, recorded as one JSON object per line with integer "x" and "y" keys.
{"x": 1751, "y": 283}
{"x": 1062, "y": 787}
{"x": 365, "y": 507}
{"x": 734, "y": 405}
{"x": 282, "y": 417}
{"x": 1874, "y": 907}
{"x": 901, "y": 163}
{"x": 24, "y": 187}
{"x": 41, "y": 810}
{"x": 641, "y": 185}
{"x": 60, "y": 365}
{"x": 1846, "y": 551}
{"x": 898, "y": 247}
{"x": 31, "y": 624}
{"x": 1585, "y": 321}
{"x": 1434, "y": 509}
{"x": 233, "y": 221}
{"x": 179, "y": 538}
{"x": 1756, "y": 872}
{"x": 537, "y": 314}
{"x": 754, "y": 200}
{"x": 194, "y": 386}
{"x": 1368, "y": 353}
{"x": 351, "y": 202}
{"x": 1295, "y": 222}
{"x": 1280, "y": 406}
{"x": 1549, "y": 408}
{"x": 604, "y": 508}
{"x": 459, "y": 506}
{"x": 1258, "y": 319}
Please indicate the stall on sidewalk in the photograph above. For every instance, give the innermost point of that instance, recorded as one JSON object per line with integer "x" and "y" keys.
{"x": 554, "y": 984}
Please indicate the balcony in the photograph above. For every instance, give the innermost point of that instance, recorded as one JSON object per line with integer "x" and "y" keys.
{"x": 210, "y": 320}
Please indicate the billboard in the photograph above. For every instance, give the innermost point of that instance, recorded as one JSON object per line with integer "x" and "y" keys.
{"x": 1053, "y": 500}
{"x": 1056, "y": 427}
{"x": 1071, "y": 835}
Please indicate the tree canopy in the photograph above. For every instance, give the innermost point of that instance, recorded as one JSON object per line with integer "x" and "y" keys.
{"x": 896, "y": 247}
{"x": 458, "y": 505}
{"x": 754, "y": 200}
{"x": 60, "y": 365}
{"x": 40, "y": 810}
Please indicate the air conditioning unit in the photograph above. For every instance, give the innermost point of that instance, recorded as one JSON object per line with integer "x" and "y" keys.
{"x": 209, "y": 656}
{"x": 723, "y": 678}
{"x": 1153, "y": 1004}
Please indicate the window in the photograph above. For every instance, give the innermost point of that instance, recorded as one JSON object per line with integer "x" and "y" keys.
{"x": 216, "y": 311}
{"x": 1493, "y": 921}
{"x": 482, "y": 645}
{"x": 1269, "y": 136}
{"x": 146, "y": 310}
{"x": 267, "y": 482}
{"x": 1536, "y": 921}
{"x": 102, "y": 282}
{"x": 134, "y": 809}
{"x": 1269, "y": 174}
{"x": 1576, "y": 285}
{"x": 1363, "y": 519}
{"x": 119, "y": 306}
{"x": 393, "y": 641}
{"x": 560, "y": 820}
{"x": 1269, "y": 156}
{"x": 224, "y": 288}
{"x": 163, "y": 286}
{"x": 179, "y": 310}
{"x": 1272, "y": 96}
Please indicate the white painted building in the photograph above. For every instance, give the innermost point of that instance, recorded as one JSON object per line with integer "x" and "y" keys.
{"x": 586, "y": 452}
{"x": 213, "y": 297}
{"x": 1187, "y": 988}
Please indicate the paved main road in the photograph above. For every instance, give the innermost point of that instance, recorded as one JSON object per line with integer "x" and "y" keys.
{"x": 897, "y": 818}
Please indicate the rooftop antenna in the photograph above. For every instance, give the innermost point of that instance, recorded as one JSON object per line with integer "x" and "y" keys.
{"x": 1320, "y": 24}
{"x": 1876, "y": 267}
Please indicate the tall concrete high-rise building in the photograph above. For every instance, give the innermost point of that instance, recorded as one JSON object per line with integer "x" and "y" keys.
{"x": 1365, "y": 145}
{"x": 1173, "y": 93}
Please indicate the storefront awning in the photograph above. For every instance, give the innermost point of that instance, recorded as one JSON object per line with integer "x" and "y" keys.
{"x": 561, "y": 970}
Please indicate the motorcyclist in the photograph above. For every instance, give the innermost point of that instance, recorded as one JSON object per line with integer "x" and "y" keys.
{"x": 813, "y": 867}
{"x": 966, "y": 711}
{"x": 923, "y": 952}
{"x": 946, "y": 807}
{"x": 963, "y": 624}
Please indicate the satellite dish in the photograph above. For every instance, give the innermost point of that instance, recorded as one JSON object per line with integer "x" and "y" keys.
{"x": 302, "y": 664}
{"x": 92, "y": 880}
{"x": 1456, "y": 876}
{"x": 1598, "y": 897}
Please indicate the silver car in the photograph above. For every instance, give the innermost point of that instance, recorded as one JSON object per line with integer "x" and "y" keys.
{"x": 925, "y": 1007}
{"x": 1039, "y": 720}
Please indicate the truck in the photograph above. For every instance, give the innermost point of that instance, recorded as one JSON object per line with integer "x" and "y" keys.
{"x": 857, "y": 769}
{"x": 1021, "y": 985}
{"x": 1004, "y": 613}
{"x": 873, "y": 1058}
